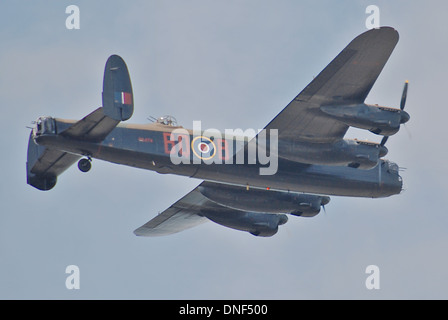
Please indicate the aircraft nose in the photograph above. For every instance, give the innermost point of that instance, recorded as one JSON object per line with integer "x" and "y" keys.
{"x": 390, "y": 181}
{"x": 394, "y": 186}
{"x": 404, "y": 117}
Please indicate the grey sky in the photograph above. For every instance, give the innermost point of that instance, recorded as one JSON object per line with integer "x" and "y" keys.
{"x": 231, "y": 64}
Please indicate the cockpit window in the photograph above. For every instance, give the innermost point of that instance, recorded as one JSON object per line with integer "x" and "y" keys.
{"x": 392, "y": 167}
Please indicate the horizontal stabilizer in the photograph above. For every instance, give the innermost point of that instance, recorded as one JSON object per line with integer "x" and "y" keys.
{"x": 93, "y": 127}
{"x": 118, "y": 100}
{"x": 44, "y": 165}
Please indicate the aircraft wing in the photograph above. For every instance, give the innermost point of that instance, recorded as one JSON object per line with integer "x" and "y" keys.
{"x": 195, "y": 208}
{"x": 257, "y": 211}
{"x": 346, "y": 80}
{"x": 183, "y": 214}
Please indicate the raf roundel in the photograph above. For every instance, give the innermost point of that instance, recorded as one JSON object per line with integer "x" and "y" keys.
{"x": 203, "y": 148}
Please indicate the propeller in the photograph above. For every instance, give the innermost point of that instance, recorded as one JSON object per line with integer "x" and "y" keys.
{"x": 404, "y": 115}
{"x": 383, "y": 141}
{"x": 404, "y": 95}
{"x": 324, "y": 201}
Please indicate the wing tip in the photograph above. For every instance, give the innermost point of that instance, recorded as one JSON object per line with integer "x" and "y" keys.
{"x": 385, "y": 32}
{"x": 138, "y": 232}
{"x": 151, "y": 232}
{"x": 146, "y": 232}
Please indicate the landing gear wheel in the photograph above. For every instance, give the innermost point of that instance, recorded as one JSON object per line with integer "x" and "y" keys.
{"x": 84, "y": 165}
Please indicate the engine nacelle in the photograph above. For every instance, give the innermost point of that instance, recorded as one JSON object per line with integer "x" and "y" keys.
{"x": 379, "y": 120}
{"x": 258, "y": 224}
{"x": 344, "y": 152}
{"x": 264, "y": 201}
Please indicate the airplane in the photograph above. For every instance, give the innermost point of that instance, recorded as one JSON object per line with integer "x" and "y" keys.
{"x": 313, "y": 159}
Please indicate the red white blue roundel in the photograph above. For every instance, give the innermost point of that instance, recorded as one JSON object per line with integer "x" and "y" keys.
{"x": 203, "y": 148}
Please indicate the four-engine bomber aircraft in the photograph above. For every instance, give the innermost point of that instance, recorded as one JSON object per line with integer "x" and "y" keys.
{"x": 314, "y": 159}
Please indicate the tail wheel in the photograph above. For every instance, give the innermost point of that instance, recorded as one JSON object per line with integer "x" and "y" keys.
{"x": 84, "y": 165}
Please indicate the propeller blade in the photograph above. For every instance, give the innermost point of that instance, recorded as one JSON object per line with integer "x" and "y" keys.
{"x": 404, "y": 95}
{"x": 379, "y": 173}
{"x": 404, "y": 114}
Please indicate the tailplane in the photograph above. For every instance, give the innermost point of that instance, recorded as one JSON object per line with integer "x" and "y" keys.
{"x": 45, "y": 163}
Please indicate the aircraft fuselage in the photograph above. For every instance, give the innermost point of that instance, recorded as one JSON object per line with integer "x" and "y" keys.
{"x": 149, "y": 146}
